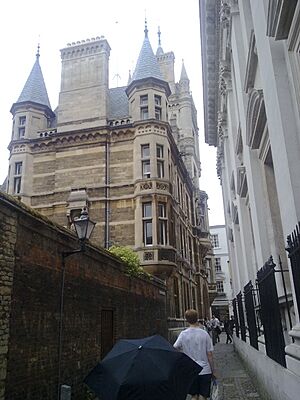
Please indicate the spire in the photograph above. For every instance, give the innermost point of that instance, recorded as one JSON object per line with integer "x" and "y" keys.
{"x": 183, "y": 75}
{"x": 129, "y": 78}
{"x": 147, "y": 65}
{"x": 159, "y": 33}
{"x": 35, "y": 89}
{"x": 159, "y": 50}
{"x": 146, "y": 29}
{"x": 38, "y": 51}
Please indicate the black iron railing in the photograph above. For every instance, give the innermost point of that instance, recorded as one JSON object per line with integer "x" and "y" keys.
{"x": 270, "y": 312}
{"x": 239, "y": 298}
{"x": 236, "y": 320}
{"x": 249, "y": 295}
{"x": 293, "y": 249}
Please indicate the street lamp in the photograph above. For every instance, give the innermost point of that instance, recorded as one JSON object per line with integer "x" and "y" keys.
{"x": 84, "y": 228}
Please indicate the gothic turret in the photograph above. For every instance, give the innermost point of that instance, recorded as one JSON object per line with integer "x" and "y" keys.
{"x": 184, "y": 82}
{"x": 32, "y": 110}
{"x": 148, "y": 91}
{"x": 31, "y": 114}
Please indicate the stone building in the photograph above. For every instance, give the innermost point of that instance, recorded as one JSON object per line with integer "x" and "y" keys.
{"x": 251, "y": 68}
{"x": 221, "y": 306}
{"x": 42, "y": 345}
{"x": 129, "y": 154}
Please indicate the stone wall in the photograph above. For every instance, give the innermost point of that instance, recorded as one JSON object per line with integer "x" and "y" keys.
{"x": 30, "y": 278}
{"x": 274, "y": 381}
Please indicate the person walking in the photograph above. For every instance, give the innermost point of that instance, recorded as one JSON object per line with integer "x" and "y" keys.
{"x": 228, "y": 331}
{"x": 196, "y": 343}
{"x": 216, "y": 330}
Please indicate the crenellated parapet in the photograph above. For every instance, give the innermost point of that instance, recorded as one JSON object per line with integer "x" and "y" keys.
{"x": 85, "y": 47}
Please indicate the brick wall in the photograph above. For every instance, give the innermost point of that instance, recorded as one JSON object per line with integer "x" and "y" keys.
{"x": 30, "y": 277}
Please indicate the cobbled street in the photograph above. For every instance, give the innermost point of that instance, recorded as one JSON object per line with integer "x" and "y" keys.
{"x": 235, "y": 382}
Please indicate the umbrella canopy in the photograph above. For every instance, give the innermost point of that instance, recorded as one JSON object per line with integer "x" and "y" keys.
{"x": 143, "y": 369}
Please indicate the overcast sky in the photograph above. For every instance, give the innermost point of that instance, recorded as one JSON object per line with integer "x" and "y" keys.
{"x": 55, "y": 23}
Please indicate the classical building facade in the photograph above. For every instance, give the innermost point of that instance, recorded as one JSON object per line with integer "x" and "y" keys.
{"x": 129, "y": 154}
{"x": 221, "y": 306}
{"x": 251, "y": 67}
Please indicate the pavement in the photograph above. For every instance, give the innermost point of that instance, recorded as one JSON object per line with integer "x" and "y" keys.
{"x": 233, "y": 379}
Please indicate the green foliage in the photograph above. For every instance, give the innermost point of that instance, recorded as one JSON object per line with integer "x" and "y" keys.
{"x": 130, "y": 259}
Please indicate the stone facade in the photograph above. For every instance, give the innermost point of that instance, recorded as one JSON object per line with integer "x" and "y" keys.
{"x": 101, "y": 305}
{"x": 129, "y": 154}
{"x": 221, "y": 306}
{"x": 251, "y": 70}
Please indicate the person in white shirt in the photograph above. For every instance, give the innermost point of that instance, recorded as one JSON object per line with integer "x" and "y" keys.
{"x": 216, "y": 330}
{"x": 197, "y": 344}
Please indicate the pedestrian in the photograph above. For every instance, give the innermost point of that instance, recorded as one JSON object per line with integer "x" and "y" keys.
{"x": 228, "y": 331}
{"x": 231, "y": 323}
{"x": 216, "y": 330}
{"x": 197, "y": 344}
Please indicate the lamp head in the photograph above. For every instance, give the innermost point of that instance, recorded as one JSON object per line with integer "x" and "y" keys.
{"x": 83, "y": 225}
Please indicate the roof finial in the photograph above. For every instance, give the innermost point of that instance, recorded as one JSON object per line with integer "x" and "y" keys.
{"x": 146, "y": 29}
{"x": 159, "y": 33}
{"x": 38, "y": 51}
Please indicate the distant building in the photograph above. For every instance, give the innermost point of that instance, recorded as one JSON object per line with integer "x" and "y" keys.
{"x": 130, "y": 154}
{"x": 251, "y": 68}
{"x": 221, "y": 306}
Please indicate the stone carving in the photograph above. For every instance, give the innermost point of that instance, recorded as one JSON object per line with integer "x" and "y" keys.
{"x": 161, "y": 186}
{"x": 148, "y": 256}
{"x": 146, "y": 186}
{"x": 225, "y": 14}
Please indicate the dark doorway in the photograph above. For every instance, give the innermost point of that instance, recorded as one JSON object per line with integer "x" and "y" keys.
{"x": 107, "y": 331}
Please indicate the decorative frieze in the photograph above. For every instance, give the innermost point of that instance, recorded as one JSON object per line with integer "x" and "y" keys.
{"x": 148, "y": 256}
{"x": 225, "y": 14}
{"x": 162, "y": 186}
{"x": 146, "y": 186}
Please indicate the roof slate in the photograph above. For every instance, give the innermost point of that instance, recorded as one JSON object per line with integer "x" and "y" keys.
{"x": 118, "y": 106}
{"x": 35, "y": 88}
{"x": 147, "y": 65}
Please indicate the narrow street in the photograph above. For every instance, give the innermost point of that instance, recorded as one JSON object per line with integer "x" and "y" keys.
{"x": 235, "y": 382}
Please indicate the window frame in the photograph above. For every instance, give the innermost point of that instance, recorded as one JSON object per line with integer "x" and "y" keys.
{"x": 22, "y": 120}
{"x": 215, "y": 240}
{"x": 220, "y": 286}
{"x": 162, "y": 222}
{"x": 21, "y": 132}
{"x": 147, "y": 222}
{"x": 18, "y": 167}
{"x": 218, "y": 266}
{"x": 17, "y": 184}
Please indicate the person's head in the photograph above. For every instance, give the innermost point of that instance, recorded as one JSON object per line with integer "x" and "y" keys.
{"x": 191, "y": 316}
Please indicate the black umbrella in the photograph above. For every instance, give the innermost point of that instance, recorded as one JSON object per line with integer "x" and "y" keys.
{"x": 143, "y": 369}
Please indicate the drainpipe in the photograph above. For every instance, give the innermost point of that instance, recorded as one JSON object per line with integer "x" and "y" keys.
{"x": 106, "y": 195}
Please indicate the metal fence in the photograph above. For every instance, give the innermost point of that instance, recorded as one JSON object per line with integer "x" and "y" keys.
{"x": 270, "y": 312}
{"x": 236, "y": 320}
{"x": 239, "y": 298}
{"x": 249, "y": 296}
{"x": 293, "y": 249}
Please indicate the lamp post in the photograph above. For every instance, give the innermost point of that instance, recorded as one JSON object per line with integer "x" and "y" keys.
{"x": 84, "y": 228}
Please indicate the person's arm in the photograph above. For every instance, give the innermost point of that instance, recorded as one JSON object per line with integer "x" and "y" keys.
{"x": 211, "y": 362}
{"x": 177, "y": 344}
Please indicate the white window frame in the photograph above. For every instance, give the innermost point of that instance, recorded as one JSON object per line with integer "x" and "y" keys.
{"x": 147, "y": 221}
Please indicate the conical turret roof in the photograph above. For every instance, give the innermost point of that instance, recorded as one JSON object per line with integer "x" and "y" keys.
{"x": 147, "y": 65}
{"x": 183, "y": 75}
{"x": 35, "y": 89}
